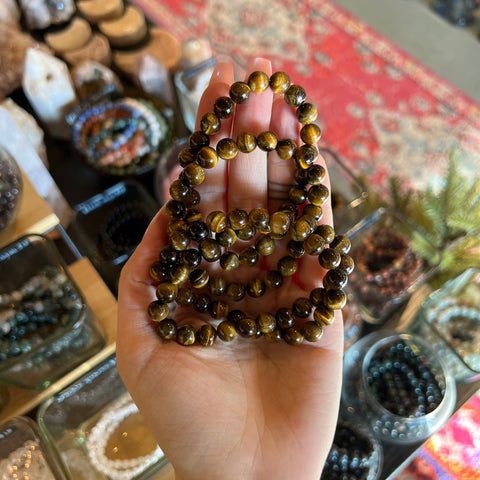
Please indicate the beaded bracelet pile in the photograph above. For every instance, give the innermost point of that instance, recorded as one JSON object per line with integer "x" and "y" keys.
{"x": 178, "y": 271}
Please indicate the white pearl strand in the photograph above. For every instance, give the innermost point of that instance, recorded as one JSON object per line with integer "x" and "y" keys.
{"x": 103, "y": 430}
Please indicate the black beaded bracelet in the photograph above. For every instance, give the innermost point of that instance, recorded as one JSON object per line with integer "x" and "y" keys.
{"x": 192, "y": 239}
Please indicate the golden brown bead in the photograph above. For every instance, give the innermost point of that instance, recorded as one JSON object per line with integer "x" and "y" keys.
{"x": 302, "y": 307}
{"x": 326, "y": 231}
{"x": 219, "y": 309}
{"x": 323, "y": 315}
{"x": 210, "y": 249}
{"x": 179, "y": 191}
{"x": 249, "y": 257}
{"x": 273, "y": 337}
{"x": 258, "y": 82}
{"x": 238, "y": 218}
{"x": 206, "y": 335}
{"x": 329, "y": 258}
{"x": 297, "y": 195}
{"x": 315, "y": 174}
{"x": 235, "y": 316}
{"x": 314, "y": 244}
{"x": 300, "y": 176}
{"x": 186, "y": 335}
{"x": 223, "y": 107}
{"x": 239, "y": 92}
{"x": 265, "y": 245}
{"x": 267, "y": 141}
{"x": 174, "y": 225}
{"x": 266, "y": 322}
{"x": 207, "y": 157}
{"x": 279, "y": 224}
{"x": 226, "y": 238}
{"x": 185, "y": 297}
{"x": 335, "y": 299}
{"x": 193, "y": 174}
{"x": 259, "y": 218}
{"x": 273, "y": 279}
{"x": 284, "y": 317}
{"x": 158, "y": 272}
{"x": 286, "y": 148}
{"x": 295, "y": 95}
{"x": 312, "y": 331}
{"x": 158, "y": 311}
{"x": 166, "y": 292}
{"x": 179, "y": 240}
{"x": 217, "y": 221}
{"x": 191, "y": 258}
{"x": 210, "y": 124}
{"x": 247, "y": 232}
{"x": 175, "y": 209}
{"x": 301, "y": 229}
{"x": 295, "y": 249}
{"x": 193, "y": 215}
{"x": 197, "y": 140}
{"x": 235, "y": 291}
{"x": 198, "y": 278}
{"x": 227, "y": 149}
{"x": 247, "y": 327}
{"x": 217, "y": 286}
{"x": 313, "y": 211}
{"x": 186, "y": 156}
{"x": 193, "y": 199}
{"x": 341, "y": 243}
{"x": 318, "y": 194}
{"x": 202, "y": 302}
{"x": 293, "y": 336}
{"x": 346, "y": 263}
{"x": 168, "y": 256}
{"x": 246, "y": 142}
{"x": 229, "y": 261}
{"x": 306, "y": 113}
{"x": 317, "y": 296}
{"x": 335, "y": 278}
{"x": 226, "y": 331}
{"x": 198, "y": 230}
{"x": 310, "y": 133}
{"x": 280, "y": 82}
{"x": 255, "y": 288}
{"x": 179, "y": 274}
{"x": 287, "y": 266}
{"x": 305, "y": 156}
{"x": 167, "y": 329}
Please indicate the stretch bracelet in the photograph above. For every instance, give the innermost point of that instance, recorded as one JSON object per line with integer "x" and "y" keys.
{"x": 194, "y": 242}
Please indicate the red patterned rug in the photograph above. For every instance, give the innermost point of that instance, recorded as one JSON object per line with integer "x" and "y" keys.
{"x": 380, "y": 109}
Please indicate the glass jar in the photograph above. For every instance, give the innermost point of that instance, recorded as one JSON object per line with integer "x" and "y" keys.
{"x": 11, "y": 189}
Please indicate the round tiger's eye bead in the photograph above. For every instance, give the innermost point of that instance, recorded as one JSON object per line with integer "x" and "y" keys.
{"x": 326, "y": 231}
{"x": 168, "y": 256}
{"x": 210, "y": 249}
{"x": 317, "y": 296}
{"x": 198, "y": 140}
{"x": 329, "y": 258}
{"x": 323, "y": 315}
{"x": 273, "y": 337}
{"x": 219, "y": 309}
{"x": 179, "y": 274}
{"x": 238, "y": 218}
{"x": 297, "y": 195}
{"x": 235, "y": 316}
{"x": 227, "y": 149}
{"x": 158, "y": 311}
{"x": 290, "y": 209}
{"x": 273, "y": 279}
{"x": 226, "y": 331}
{"x": 217, "y": 286}
{"x": 318, "y": 194}
{"x": 259, "y": 218}
{"x": 295, "y": 95}
{"x": 235, "y": 291}
{"x": 316, "y": 174}
{"x": 246, "y": 142}
{"x": 286, "y": 148}
{"x": 293, "y": 336}
{"x": 335, "y": 299}
{"x": 255, "y": 287}
{"x": 210, "y": 123}
{"x": 279, "y": 224}
{"x": 206, "y": 335}
{"x": 258, "y": 82}
{"x": 158, "y": 272}
{"x": 267, "y": 141}
{"x": 198, "y": 230}
{"x": 229, "y": 261}
{"x": 247, "y": 327}
{"x": 166, "y": 292}
{"x": 179, "y": 191}
{"x": 185, "y": 297}
{"x": 284, "y": 317}
{"x": 193, "y": 174}
{"x": 280, "y": 82}
{"x": 346, "y": 263}
{"x": 223, "y": 107}
{"x": 266, "y": 322}
{"x": 302, "y": 307}
{"x": 312, "y": 331}
{"x": 191, "y": 258}
{"x": 186, "y": 156}
{"x": 192, "y": 215}
{"x": 265, "y": 245}
{"x": 167, "y": 329}
{"x": 287, "y": 266}
{"x": 239, "y": 92}
{"x": 175, "y": 209}
{"x": 207, "y": 157}
{"x": 311, "y": 133}
{"x": 247, "y": 232}
{"x": 174, "y": 225}
{"x": 249, "y": 257}
{"x": 300, "y": 176}
{"x": 198, "y": 278}
{"x": 202, "y": 303}
{"x": 193, "y": 199}
{"x": 217, "y": 221}
{"x": 341, "y": 243}
{"x": 335, "y": 278}
{"x": 227, "y": 238}
{"x": 179, "y": 240}
{"x": 300, "y": 230}
{"x": 295, "y": 249}
{"x": 314, "y": 244}
{"x": 313, "y": 211}
{"x": 305, "y": 156}
{"x": 306, "y": 113}
{"x": 186, "y": 335}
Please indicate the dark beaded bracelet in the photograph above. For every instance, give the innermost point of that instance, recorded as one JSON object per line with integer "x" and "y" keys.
{"x": 182, "y": 279}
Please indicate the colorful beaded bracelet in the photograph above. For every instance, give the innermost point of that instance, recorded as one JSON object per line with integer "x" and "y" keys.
{"x": 181, "y": 278}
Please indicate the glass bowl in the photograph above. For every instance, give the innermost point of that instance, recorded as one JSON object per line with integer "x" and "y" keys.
{"x": 11, "y": 189}
{"x": 96, "y": 430}
{"x": 399, "y": 385}
{"x": 46, "y": 328}
{"x": 449, "y": 319}
{"x": 352, "y": 322}
{"x": 392, "y": 258}
{"x": 24, "y": 453}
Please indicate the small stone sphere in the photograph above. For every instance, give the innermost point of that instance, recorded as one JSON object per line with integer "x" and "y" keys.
{"x": 210, "y": 123}
{"x": 193, "y": 174}
{"x": 311, "y": 133}
{"x": 238, "y": 218}
{"x": 198, "y": 230}
{"x": 273, "y": 337}
{"x": 210, "y": 249}
{"x": 166, "y": 292}
{"x": 198, "y": 278}
{"x": 329, "y": 258}
{"x": 192, "y": 215}
{"x": 249, "y": 257}
{"x": 302, "y": 307}
{"x": 279, "y": 224}
{"x": 279, "y": 82}
{"x": 287, "y": 266}
{"x": 229, "y": 261}
{"x": 312, "y": 331}
{"x": 158, "y": 272}
{"x": 235, "y": 291}
{"x": 219, "y": 309}
{"x": 317, "y": 296}
{"x": 347, "y": 263}
{"x": 202, "y": 303}
{"x": 226, "y": 238}
{"x": 313, "y": 211}
{"x": 223, "y": 107}
{"x": 314, "y": 244}
{"x": 246, "y": 142}
{"x": 186, "y": 156}
{"x": 168, "y": 256}
{"x": 186, "y": 335}
{"x": 335, "y": 299}
{"x": 286, "y": 148}
{"x": 306, "y": 113}
{"x": 227, "y": 149}
{"x": 301, "y": 229}
{"x": 305, "y": 156}
{"x": 323, "y": 315}
{"x": 247, "y": 232}
{"x": 285, "y": 318}
{"x": 185, "y": 296}
{"x": 226, "y": 331}
{"x": 300, "y": 176}
{"x": 239, "y": 92}
{"x": 179, "y": 274}
{"x": 316, "y": 174}
{"x": 295, "y": 249}
{"x": 167, "y": 329}
{"x": 267, "y": 141}
{"x": 216, "y": 221}
{"x": 265, "y": 245}
{"x": 341, "y": 243}
{"x": 318, "y": 194}
{"x": 266, "y": 322}
{"x": 247, "y": 327}
{"x": 259, "y": 218}
{"x": 273, "y": 279}
{"x": 193, "y": 199}
{"x": 206, "y": 335}
{"x": 326, "y": 231}
{"x": 158, "y": 311}
{"x": 255, "y": 287}
{"x": 258, "y": 82}
{"x": 297, "y": 195}
{"x": 178, "y": 224}
{"x": 207, "y": 157}
{"x": 217, "y": 286}
{"x": 293, "y": 336}
{"x": 295, "y": 95}
{"x": 179, "y": 240}
{"x": 235, "y": 316}
{"x": 175, "y": 209}
{"x": 197, "y": 140}
{"x": 179, "y": 191}
{"x": 336, "y": 279}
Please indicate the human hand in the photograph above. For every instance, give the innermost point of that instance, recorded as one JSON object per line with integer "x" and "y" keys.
{"x": 246, "y": 409}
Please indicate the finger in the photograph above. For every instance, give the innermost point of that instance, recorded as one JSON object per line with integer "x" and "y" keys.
{"x": 247, "y": 173}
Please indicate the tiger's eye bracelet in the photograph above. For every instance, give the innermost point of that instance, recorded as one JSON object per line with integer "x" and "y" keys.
{"x": 182, "y": 279}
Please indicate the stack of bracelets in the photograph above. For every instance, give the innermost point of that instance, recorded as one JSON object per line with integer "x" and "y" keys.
{"x": 117, "y": 137}
{"x": 178, "y": 271}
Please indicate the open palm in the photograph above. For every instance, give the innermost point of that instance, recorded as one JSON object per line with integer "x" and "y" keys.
{"x": 246, "y": 409}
